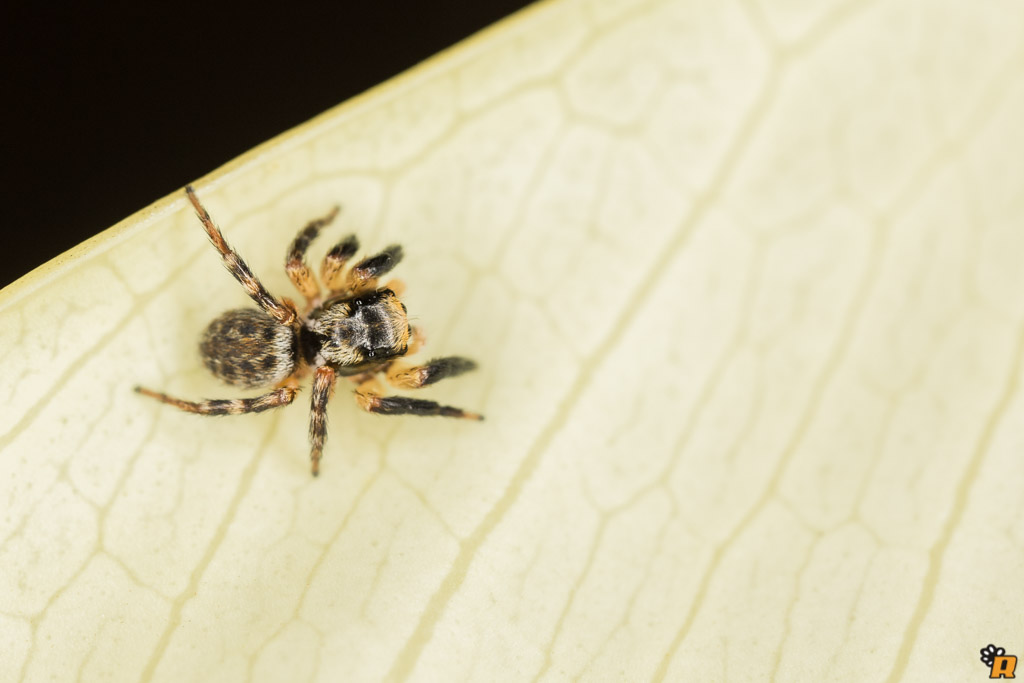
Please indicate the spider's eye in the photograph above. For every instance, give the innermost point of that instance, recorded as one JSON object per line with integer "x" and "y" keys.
{"x": 370, "y": 353}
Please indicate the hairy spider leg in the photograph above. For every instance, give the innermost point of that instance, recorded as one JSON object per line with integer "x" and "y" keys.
{"x": 363, "y": 276}
{"x": 334, "y": 263}
{"x": 282, "y": 311}
{"x": 323, "y": 386}
{"x": 295, "y": 263}
{"x": 404, "y": 376}
{"x": 369, "y": 399}
{"x": 233, "y": 406}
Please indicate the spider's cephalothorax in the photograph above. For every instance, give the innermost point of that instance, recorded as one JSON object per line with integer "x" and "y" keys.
{"x": 356, "y": 332}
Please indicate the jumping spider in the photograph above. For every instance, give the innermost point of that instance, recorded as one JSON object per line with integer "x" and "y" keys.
{"x": 357, "y": 331}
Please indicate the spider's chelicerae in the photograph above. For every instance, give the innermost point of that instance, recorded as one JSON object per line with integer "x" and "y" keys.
{"x": 356, "y": 331}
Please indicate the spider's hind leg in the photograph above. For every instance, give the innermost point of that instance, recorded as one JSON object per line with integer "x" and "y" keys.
{"x": 282, "y": 311}
{"x": 323, "y": 386}
{"x": 237, "y": 406}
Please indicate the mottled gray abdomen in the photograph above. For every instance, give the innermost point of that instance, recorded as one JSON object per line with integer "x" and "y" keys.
{"x": 248, "y": 348}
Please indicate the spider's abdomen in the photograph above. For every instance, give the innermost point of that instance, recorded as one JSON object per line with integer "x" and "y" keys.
{"x": 248, "y": 348}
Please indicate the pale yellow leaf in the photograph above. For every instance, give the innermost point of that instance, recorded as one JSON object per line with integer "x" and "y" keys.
{"x": 744, "y": 281}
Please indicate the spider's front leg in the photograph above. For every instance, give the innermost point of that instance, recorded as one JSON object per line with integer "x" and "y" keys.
{"x": 361, "y": 277}
{"x": 364, "y": 274}
{"x": 334, "y": 263}
{"x": 323, "y": 386}
{"x": 295, "y": 263}
{"x": 413, "y": 377}
{"x": 369, "y": 398}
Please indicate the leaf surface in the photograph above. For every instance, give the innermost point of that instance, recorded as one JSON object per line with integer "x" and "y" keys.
{"x": 743, "y": 280}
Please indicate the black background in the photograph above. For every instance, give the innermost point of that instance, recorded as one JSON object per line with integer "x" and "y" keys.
{"x": 113, "y": 107}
